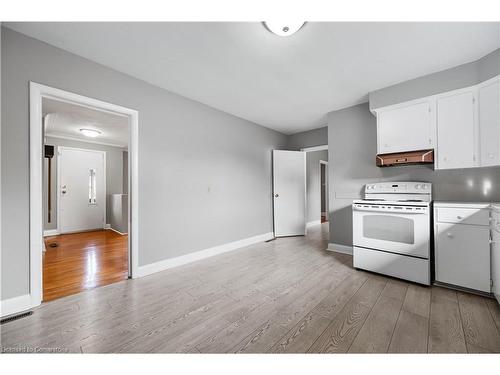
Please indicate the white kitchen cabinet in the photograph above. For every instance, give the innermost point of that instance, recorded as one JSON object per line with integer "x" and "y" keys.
{"x": 489, "y": 123}
{"x": 462, "y": 251}
{"x": 456, "y": 130}
{"x": 495, "y": 250}
{"x": 405, "y": 128}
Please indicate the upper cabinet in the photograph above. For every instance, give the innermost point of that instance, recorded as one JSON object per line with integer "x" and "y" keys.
{"x": 456, "y": 128}
{"x": 405, "y": 128}
{"x": 489, "y": 123}
{"x": 461, "y": 126}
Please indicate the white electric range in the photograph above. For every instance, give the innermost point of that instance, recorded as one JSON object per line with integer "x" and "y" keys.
{"x": 392, "y": 230}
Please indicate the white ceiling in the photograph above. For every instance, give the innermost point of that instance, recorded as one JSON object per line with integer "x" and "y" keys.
{"x": 288, "y": 84}
{"x": 65, "y": 120}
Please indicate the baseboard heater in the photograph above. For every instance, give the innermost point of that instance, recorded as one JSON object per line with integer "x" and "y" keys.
{"x": 405, "y": 158}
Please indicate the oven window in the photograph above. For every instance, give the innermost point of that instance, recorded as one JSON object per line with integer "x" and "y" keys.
{"x": 389, "y": 228}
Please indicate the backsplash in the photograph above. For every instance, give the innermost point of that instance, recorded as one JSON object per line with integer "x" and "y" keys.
{"x": 465, "y": 185}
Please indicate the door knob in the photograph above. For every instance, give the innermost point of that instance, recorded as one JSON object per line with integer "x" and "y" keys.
{"x": 276, "y": 195}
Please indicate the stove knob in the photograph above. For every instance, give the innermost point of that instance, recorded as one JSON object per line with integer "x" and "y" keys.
{"x": 417, "y": 186}
{"x": 425, "y": 186}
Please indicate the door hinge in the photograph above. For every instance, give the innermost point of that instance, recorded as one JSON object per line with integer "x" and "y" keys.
{"x": 491, "y": 282}
{"x": 473, "y": 100}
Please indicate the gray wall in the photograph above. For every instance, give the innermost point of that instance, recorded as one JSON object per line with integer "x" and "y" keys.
{"x": 310, "y": 138}
{"x": 313, "y": 184}
{"x": 204, "y": 175}
{"x": 352, "y": 148}
{"x": 455, "y": 78}
{"x": 114, "y": 175}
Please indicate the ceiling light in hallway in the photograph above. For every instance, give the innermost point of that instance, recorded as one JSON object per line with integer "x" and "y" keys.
{"x": 90, "y": 132}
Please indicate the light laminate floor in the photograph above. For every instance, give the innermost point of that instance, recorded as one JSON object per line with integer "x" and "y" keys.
{"x": 288, "y": 295}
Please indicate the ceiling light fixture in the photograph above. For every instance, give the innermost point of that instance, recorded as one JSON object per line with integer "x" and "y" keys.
{"x": 90, "y": 132}
{"x": 284, "y": 28}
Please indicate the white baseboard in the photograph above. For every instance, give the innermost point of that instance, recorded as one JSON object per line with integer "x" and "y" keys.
{"x": 202, "y": 254}
{"x": 338, "y": 248}
{"x": 313, "y": 223}
{"x": 116, "y": 231}
{"x": 50, "y": 232}
{"x": 15, "y": 305}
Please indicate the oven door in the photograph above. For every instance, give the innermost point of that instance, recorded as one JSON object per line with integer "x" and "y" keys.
{"x": 396, "y": 229}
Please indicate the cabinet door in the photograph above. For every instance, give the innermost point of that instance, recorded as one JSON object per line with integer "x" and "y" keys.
{"x": 456, "y": 131}
{"x": 463, "y": 255}
{"x": 495, "y": 254}
{"x": 404, "y": 129}
{"x": 489, "y": 124}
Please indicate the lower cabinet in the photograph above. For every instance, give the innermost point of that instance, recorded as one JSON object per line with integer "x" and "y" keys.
{"x": 462, "y": 250}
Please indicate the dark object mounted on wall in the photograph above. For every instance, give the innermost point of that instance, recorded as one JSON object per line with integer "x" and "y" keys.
{"x": 49, "y": 154}
{"x": 405, "y": 158}
{"x": 49, "y": 151}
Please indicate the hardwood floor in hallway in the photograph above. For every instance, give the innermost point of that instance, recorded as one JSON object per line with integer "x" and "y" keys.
{"x": 284, "y": 296}
{"x": 82, "y": 261}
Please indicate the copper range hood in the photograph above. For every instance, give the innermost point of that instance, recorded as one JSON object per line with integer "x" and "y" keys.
{"x": 405, "y": 158}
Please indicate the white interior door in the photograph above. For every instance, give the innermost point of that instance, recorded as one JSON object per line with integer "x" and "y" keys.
{"x": 82, "y": 192}
{"x": 289, "y": 195}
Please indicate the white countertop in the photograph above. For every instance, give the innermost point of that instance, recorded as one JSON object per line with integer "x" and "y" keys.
{"x": 476, "y": 205}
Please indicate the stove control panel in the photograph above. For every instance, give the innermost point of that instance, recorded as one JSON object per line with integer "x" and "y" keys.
{"x": 399, "y": 188}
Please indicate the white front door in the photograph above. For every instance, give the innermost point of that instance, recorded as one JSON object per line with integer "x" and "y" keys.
{"x": 289, "y": 193}
{"x": 82, "y": 191}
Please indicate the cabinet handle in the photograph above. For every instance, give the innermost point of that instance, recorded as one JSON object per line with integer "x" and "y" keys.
{"x": 449, "y": 235}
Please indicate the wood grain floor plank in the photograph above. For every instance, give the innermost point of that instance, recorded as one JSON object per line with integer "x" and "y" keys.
{"x": 446, "y": 334}
{"x": 494, "y": 308}
{"x": 479, "y": 327}
{"x": 306, "y": 331}
{"x": 418, "y": 300}
{"x": 410, "y": 334}
{"x": 339, "y": 335}
{"x": 376, "y": 333}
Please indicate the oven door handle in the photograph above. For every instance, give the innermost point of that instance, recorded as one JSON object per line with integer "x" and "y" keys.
{"x": 422, "y": 212}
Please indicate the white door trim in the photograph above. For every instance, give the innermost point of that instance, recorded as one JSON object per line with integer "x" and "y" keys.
{"x": 314, "y": 148}
{"x": 37, "y": 92}
{"x": 58, "y": 179}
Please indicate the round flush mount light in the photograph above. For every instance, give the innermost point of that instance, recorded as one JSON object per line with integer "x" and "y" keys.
{"x": 284, "y": 28}
{"x": 90, "y": 132}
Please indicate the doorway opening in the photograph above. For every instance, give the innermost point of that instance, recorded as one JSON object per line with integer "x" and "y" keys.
{"x": 83, "y": 189}
{"x": 323, "y": 165}
{"x": 85, "y": 198}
